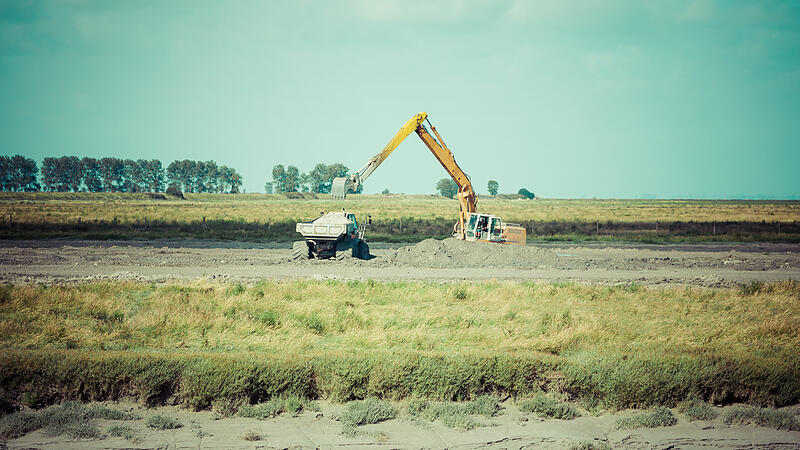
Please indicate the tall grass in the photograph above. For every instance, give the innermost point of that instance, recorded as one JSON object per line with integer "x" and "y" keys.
{"x": 204, "y": 341}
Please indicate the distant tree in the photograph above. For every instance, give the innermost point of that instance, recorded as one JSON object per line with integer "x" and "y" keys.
{"x": 526, "y": 193}
{"x": 278, "y": 177}
{"x": 112, "y": 173}
{"x": 91, "y": 175}
{"x": 136, "y": 174}
{"x": 385, "y": 191}
{"x": 291, "y": 182}
{"x": 320, "y": 178}
{"x": 268, "y": 187}
{"x": 153, "y": 175}
{"x": 228, "y": 180}
{"x": 18, "y": 174}
{"x": 493, "y": 186}
{"x": 447, "y": 187}
{"x": 182, "y": 175}
{"x": 62, "y": 174}
{"x": 5, "y": 173}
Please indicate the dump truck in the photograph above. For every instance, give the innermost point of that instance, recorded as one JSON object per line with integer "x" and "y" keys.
{"x": 336, "y": 235}
{"x": 471, "y": 225}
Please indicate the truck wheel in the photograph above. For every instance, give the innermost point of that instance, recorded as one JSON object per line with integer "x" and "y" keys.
{"x": 300, "y": 250}
{"x": 363, "y": 250}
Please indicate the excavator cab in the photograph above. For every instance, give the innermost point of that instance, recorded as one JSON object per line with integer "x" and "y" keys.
{"x": 484, "y": 227}
{"x": 490, "y": 228}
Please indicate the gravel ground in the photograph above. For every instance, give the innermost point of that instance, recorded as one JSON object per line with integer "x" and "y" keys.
{"x": 713, "y": 265}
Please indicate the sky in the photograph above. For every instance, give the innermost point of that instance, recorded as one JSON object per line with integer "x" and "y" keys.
{"x": 569, "y": 99}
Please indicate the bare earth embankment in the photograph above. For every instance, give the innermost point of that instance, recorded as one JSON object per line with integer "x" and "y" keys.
{"x": 712, "y": 265}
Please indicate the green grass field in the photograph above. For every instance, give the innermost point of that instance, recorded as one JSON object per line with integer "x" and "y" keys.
{"x": 625, "y": 346}
{"x": 397, "y": 218}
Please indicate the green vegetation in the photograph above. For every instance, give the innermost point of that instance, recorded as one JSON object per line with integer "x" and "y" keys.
{"x": 697, "y": 410}
{"x": 399, "y": 218}
{"x": 291, "y": 404}
{"x": 547, "y": 406}
{"x": 71, "y": 419}
{"x": 367, "y": 411}
{"x": 251, "y": 436}
{"x": 658, "y": 417}
{"x": 125, "y": 432}
{"x": 364, "y": 412}
{"x": 765, "y": 417}
{"x": 454, "y": 415}
{"x": 447, "y": 187}
{"x": 206, "y": 344}
{"x": 159, "y": 422}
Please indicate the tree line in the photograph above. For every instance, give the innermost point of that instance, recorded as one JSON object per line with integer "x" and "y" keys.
{"x": 318, "y": 180}
{"x": 73, "y": 174}
{"x": 448, "y": 188}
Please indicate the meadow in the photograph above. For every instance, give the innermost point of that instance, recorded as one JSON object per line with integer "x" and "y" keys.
{"x": 210, "y": 344}
{"x": 396, "y": 218}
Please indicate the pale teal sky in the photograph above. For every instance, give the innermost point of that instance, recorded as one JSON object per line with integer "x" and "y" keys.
{"x": 585, "y": 98}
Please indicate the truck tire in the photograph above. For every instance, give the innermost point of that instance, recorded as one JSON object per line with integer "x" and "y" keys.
{"x": 300, "y": 250}
{"x": 363, "y": 250}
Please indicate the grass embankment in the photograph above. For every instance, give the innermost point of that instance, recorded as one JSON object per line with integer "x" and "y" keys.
{"x": 396, "y": 218}
{"x": 203, "y": 343}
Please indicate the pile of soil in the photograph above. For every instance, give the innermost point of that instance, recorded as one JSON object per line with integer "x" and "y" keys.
{"x": 453, "y": 252}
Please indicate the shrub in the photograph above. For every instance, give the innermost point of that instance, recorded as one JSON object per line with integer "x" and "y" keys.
{"x": 657, "y": 417}
{"x": 71, "y": 418}
{"x": 159, "y": 422}
{"x": 264, "y": 410}
{"x": 251, "y": 436}
{"x": 526, "y": 193}
{"x": 549, "y": 407}
{"x": 174, "y": 191}
{"x": 363, "y": 412}
{"x": 765, "y": 417}
{"x": 697, "y": 410}
{"x": 454, "y": 415}
{"x": 124, "y": 432}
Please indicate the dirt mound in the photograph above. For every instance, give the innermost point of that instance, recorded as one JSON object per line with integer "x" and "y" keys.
{"x": 453, "y": 252}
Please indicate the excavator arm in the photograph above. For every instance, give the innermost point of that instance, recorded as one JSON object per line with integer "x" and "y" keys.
{"x": 466, "y": 195}
{"x": 351, "y": 183}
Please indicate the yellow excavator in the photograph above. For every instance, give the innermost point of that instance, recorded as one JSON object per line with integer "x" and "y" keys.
{"x": 471, "y": 225}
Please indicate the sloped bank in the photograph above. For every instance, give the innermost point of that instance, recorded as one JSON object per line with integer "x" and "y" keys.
{"x": 196, "y": 380}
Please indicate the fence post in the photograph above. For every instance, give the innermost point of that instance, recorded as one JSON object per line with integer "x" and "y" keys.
{"x": 10, "y": 222}
{"x": 714, "y": 227}
{"x": 779, "y": 227}
{"x": 204, "y": 223}
{"x": 656, "y": 226}
{"x": 597, "y": 226}
{"x": 401, "y": 225}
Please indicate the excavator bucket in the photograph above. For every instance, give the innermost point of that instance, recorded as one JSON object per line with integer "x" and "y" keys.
{"x": 340, "y": 187}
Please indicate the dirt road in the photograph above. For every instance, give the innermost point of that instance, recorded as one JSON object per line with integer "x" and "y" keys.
{"x": 714, "y": 265}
